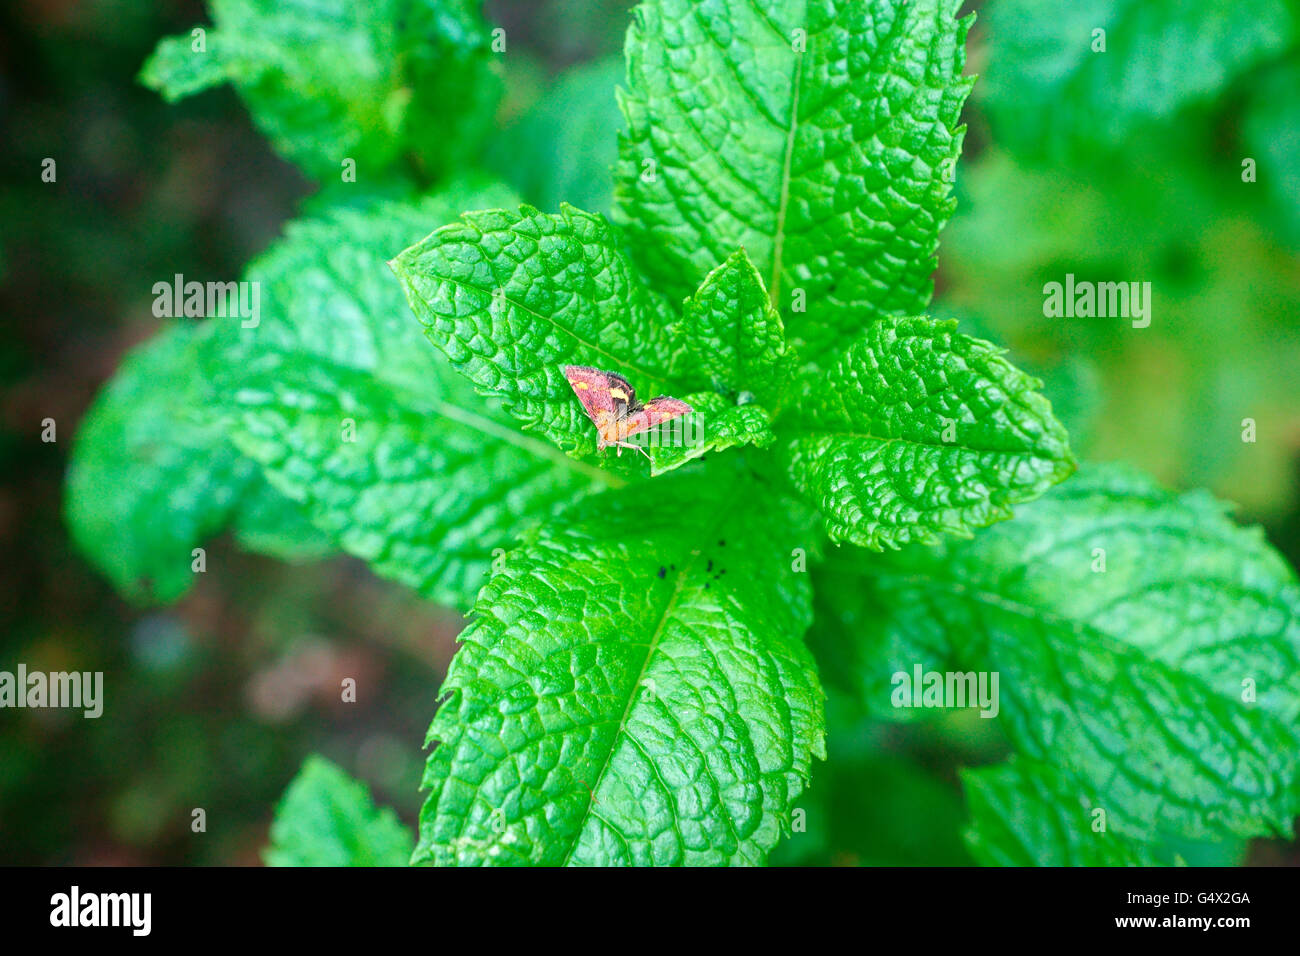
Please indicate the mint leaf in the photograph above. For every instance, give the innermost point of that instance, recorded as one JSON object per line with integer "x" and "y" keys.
{"x": 1166, "y": 686}
{"x": 715, "y": 425}
{"x": 332, "y": 81}
{"x": 351, "y": 413}
{"x": 919, "y": 430}
{"x": 632, "y": 689}
{"x": 266, "y": 522}
{"x": 1050, "y": 91}
{"x": 150, "y": 479}
{"x": 1025, "y": 814}
{"x": 328, "y": 819}
{"x": 177, "y": 70}
{"x": 827, "y": 165}
{"x": 513, "y": 297}
{"x": 1028, "y": 814}
{"x": 736, "y": 332}
{"x": 564, "y": 147}
{"x": 735, "y": 338}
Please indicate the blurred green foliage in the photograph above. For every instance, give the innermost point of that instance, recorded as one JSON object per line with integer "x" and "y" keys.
{"x": 327, "y": 819}
{"x": 1127, "y": 165}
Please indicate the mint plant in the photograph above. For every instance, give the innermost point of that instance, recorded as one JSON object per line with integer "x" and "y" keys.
{"x": 641, "y": 679}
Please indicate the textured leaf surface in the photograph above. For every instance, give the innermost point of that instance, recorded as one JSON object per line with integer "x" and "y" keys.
{"x": 151, "y": 478}
{"x": 328, "y": 819}
{"x": 919, "y": 430}
{"x": 513, "y": 297}
{"x": 1049, "y": 94}
{"x": 633, "y": 689}
{"x": 1133, "y": 682}
{"x": 715, "y": 425}
{"x": 329, "y": 80}
{"x": 827, "y": 165}
{"x": 351, "y": 412}
{"x": 737, "y": 333}
{"x": 1028, "y": 815}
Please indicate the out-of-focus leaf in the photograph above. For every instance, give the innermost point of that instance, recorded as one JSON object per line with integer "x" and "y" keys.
{"x": 328, "y": 819}
{"x": 1223, "y": 341}
{"x": 1271, "y": 130}
{"x": 152, "y": 477}
{"x": 335, "y": 80}
{"x": 1065, "y": 78}
{"x": 564, "y": 147}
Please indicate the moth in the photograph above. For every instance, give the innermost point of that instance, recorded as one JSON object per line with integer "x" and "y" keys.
{"x": 610, "y": 403}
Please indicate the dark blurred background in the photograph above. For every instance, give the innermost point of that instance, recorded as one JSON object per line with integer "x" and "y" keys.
{"x": 219, "y": 697}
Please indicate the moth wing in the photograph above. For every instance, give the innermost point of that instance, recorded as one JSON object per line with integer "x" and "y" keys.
{"x": 655, "y": 412}
{"x": 623, "y": 395}
{"x": 592, "y": 386}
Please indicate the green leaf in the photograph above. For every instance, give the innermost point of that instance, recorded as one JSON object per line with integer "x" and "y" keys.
{"x": 831, "y": 166}
{"x": 151, "y": 478}
{"x": 1050, "y": 92}
{"x": 328, "y": 819}
{"x": 735, "y": 338}
{"x": 1166, "y": 686}
{"x": 564, "y": 147}
{"x": 715, "y": 425}
{"x": 350, "y": 412}
{"x": 632, "y": 689}
{"x": 919, "y": 430}
{"x": 736, "y": 332}
{"x": 335, "y": 80}
{"x": 269, "y": 523}
{"x": 513, "y": 297}
{"x": 176, "y": 70}
{"x": 1025, "y": 814}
